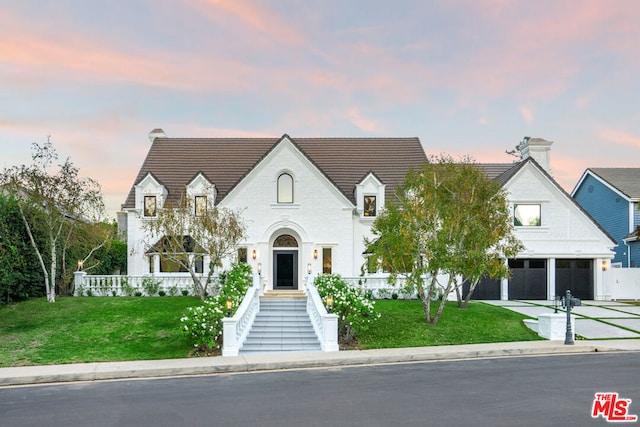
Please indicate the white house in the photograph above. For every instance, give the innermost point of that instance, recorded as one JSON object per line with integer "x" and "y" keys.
{"x": 309, "y": 203}
{"x": 565, "y": 247}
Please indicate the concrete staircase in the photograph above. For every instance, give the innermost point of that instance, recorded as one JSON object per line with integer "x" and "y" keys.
{"x": 282, "y": 325}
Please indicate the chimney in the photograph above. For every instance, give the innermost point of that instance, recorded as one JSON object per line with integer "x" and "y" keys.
{"x": 537, "y": 148}
{"x": 156, "y": 133}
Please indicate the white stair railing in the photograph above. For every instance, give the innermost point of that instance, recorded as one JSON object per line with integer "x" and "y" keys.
{"x": 325, "y": 324}
{"x": 236, "y": 328}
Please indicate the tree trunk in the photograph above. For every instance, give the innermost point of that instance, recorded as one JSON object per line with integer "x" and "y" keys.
{"x": 51, "y": 295}
{"x": 472, "y": 287}
{"x": 45, "y": 273}
{"x": 443, "y": 300}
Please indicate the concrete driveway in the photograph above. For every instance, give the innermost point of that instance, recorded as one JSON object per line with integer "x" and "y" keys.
{"x": 593, "y": 319}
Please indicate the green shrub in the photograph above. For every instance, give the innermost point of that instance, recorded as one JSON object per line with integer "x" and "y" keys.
{"x": 150, "y": 285}
{"x": 203, "y": 323}
{"x": 173, "y": 291}
{"x": 162, "y": 293}
{"x": 127, "y": 288}
{"x": 355, "y": 311}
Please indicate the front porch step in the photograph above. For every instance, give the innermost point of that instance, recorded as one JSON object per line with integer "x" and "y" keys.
{"x": 284, "y": 295}
{"x": 281, "y": 325}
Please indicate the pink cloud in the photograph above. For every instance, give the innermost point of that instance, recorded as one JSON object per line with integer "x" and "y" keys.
{"x": 527, "y": 114}
{"x": 620, "y": 138}
{"x": 366, "y": 125}
{"x": 70, "y": 58}
{"x": 252, "y": 16}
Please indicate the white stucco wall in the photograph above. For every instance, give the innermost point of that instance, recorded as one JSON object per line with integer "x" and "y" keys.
{"x": 319, "y": 217}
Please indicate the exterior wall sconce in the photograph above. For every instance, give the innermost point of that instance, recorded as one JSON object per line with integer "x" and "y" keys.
{"x": 229, "y": 305}
{"x": 315, "y": 254}
{"x": 604, "y": 265}
{"x": 259, "y": 269}
{"x": 309, "y": 268}
{"x": 254, "y": 254}
{"x": 80, "y": 264}
{"x": 329, "y": 301}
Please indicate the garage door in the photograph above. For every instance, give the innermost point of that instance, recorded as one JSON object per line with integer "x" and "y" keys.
{"x": 487, "y": 289}
{"x": 528, "y": 279}
{"x": 575, "y": 275}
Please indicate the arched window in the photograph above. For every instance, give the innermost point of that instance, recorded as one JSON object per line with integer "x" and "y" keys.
{"x": 285, "y": 188}
{"x": 285, "y": 241}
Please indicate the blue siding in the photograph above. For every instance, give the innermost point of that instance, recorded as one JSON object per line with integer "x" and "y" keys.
{"x": 609, "y": 209}
{"x": 635, "y": 253}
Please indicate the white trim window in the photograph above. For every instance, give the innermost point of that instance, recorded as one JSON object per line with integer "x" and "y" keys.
{"x": 285, "y": 188}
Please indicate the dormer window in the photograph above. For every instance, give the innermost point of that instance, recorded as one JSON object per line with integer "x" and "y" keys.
{"x": 150, "y": 206}
{"x": 285, "y": 188}
{"x": 369, "y": 206}
{"x": 200, "y": 205}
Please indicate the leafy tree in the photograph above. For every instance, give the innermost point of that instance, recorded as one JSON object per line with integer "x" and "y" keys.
{"x": 450, "y": 219}
{"x": 54, "y": 201}
{"x": 185, "y": 238}
{"x": 18, "y": 279}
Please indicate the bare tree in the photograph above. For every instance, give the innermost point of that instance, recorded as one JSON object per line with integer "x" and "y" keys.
{"x": 186, "y": 237}
{"x": 52, "y": 201}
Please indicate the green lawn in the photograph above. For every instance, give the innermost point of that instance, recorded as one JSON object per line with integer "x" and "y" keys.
{"x": 403, "y": 325}
{"x": 75, "y": 330}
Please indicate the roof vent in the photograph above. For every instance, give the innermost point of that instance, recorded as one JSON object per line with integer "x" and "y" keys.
{"x": 156, "y": 133}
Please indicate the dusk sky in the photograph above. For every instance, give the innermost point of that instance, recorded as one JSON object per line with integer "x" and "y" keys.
{"x": 467, "y": 77}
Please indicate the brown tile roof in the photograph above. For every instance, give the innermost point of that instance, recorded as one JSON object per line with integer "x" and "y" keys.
{"x": 225, "y": 161}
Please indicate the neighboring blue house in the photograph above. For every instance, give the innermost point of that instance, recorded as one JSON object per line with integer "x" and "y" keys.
{"x": 611, "y": 196}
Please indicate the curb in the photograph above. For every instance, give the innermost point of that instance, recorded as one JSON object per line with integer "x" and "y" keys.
{"x": 103, "y": 371}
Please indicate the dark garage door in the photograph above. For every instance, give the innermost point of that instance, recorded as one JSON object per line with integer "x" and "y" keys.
{"x": 575, "y": 275}
{"x": 487, "y": 289}
{"x": 528, "y": 279}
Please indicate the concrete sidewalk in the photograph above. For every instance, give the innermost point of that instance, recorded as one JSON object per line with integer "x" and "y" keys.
{"x": 265, "y": 362}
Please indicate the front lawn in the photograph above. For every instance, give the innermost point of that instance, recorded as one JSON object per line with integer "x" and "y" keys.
{"x": 402, "y": 325}
{"x": 98, "y": 329}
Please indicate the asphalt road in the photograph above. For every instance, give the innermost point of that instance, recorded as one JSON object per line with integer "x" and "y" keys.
{"x": 536, "y": 391}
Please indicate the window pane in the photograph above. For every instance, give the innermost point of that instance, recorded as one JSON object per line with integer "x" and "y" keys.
{"x": 149, "y": 205}
{"x": 242, "y": 255}
{"x": 369, "y": 205}
{"x": 326, "y": 260}
{"x": 201, "y": 205}
{"x": 527, "y": 215}
{"x": 285, "y": 241}
{"x": 285, "y": 188}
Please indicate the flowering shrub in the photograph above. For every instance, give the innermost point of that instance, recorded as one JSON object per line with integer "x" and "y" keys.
{"x": 203, "y": 323}
{"x": 355, "y": 311}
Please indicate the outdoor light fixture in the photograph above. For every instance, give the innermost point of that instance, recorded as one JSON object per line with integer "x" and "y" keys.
{"x": 80, "y": 264}
{"x": 229, "y": 305}
{"x": 329, "y": 301}
{"x": 604, "y": 265}
{"x": 259, "y": 269}
{"x": 315, "y": 254}
{"x": 254, "y": 254}
{"x": 309, "y": 268}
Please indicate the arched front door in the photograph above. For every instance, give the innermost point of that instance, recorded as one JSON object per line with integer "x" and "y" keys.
{"x": 285, "y": 262}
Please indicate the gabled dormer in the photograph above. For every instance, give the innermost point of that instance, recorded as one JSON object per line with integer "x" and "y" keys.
{"x": 150, "y": 196}
{"x": 370, "y": 198}
{"x": 201, "y": 193}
